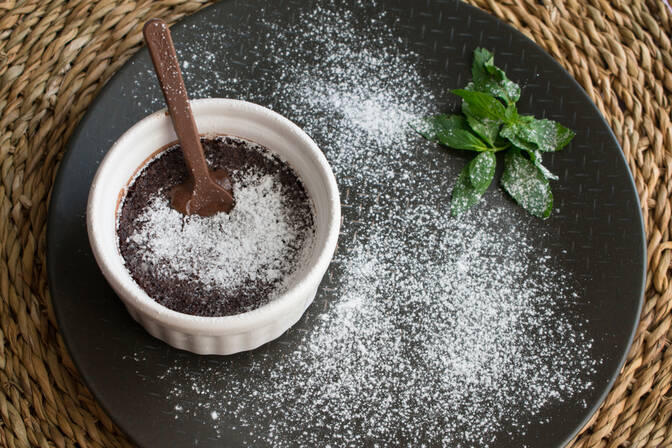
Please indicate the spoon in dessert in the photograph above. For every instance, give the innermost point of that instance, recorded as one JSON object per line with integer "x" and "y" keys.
{"x": 206, "y": 192}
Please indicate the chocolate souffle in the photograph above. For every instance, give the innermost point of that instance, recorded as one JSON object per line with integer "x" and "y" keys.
{"x": 224, "y": 264}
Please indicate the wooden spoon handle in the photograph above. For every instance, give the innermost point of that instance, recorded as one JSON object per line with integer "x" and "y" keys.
{"x": 162, "y": 52}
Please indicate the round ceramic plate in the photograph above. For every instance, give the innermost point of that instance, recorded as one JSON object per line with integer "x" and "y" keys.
{"x": 494, "y": 329}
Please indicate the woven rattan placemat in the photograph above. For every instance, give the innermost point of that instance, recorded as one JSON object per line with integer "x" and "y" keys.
{"x": 56, "y": 55}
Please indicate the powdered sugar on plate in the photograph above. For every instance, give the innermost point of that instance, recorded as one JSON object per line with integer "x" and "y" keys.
{"x": 356, "y": 94}
{"x": 444, "y": 337}
{"x": 429, "y": 330}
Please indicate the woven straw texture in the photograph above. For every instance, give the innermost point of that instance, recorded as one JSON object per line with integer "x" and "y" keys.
{"x": 56, "y": 55}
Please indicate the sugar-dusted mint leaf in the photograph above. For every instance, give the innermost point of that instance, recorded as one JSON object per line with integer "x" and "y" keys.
{"x": 527, "y": 184}
{"x": 511, "y": 132}
{"x": 482, "y": 105}
{"x": 472, "y": 182}
{"x": 531, "y": 134}
{"x": 464, "y": 194}
{"x": 486, "y": 128}
{"x": 548, "y": 135}
{"x": 489, "y": 122}
{"x": 482, "y": 171}
{"x": 490, "y": 79}
{"x": 449, "y": 130}
{"x": 511, "y": 114}
{"x": 535, "y": 157}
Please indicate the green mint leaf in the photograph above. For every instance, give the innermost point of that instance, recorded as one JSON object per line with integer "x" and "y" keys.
{"x": 490, "y": 79}
{"x": 533, "y": 135}
{"x": 490, "y": 123}
{"x": 482, "y": 105}
{"x": 464, "y": 194}
{"x": 481, "y": 57}
{"x": 511, "y": 114}
{"x": 511, "y": 132}
{"x": 486, "y": 128}
{"x": 482, "y": 171}
{"x": 526, "y": 184}
{"x": 535, "y": 157}
{"x": 472, "y": 182}
{"x": 451, "y": 131}
{"x": 548, "y": 135}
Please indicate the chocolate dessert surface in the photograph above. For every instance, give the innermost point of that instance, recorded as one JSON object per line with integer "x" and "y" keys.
{"x": 224, "y": 264}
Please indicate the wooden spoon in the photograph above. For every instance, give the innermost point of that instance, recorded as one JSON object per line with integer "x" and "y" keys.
{"x": 201, "y": 194}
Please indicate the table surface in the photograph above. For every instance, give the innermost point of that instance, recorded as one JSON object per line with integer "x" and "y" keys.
{"x": 54, "y": 58}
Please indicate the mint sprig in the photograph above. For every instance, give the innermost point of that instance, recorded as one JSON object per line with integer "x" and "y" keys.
{"x": 488, "y": 123}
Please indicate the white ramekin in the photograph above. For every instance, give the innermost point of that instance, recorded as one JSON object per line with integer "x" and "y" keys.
{"x": 215, "y": 116}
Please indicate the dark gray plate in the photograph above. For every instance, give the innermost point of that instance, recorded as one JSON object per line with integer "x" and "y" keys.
{"x": 595, "y": 235}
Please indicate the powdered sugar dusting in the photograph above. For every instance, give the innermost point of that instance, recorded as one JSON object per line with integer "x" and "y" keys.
{"x": 420, "y": 347}
{"x": 226, "y": 250}
{"x": 360, "y": 98}
{"x": 430, "y": 330}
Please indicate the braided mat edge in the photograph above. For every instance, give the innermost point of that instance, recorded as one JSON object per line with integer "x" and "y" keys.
{"x": 54, "y": 58}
